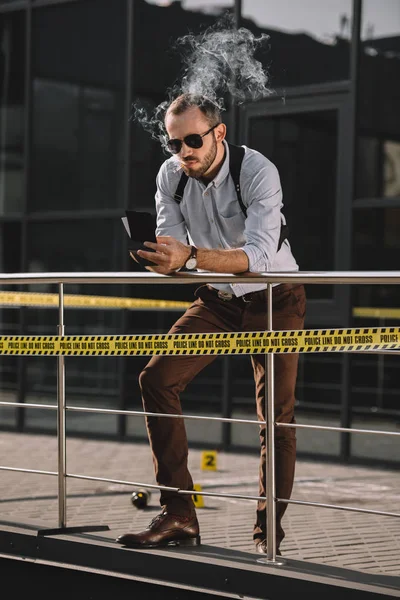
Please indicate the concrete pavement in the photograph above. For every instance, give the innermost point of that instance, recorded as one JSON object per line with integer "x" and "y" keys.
{"x": 358, "y": 541}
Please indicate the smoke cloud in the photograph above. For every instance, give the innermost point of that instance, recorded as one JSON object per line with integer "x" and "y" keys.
{"x": 216, "y": 63}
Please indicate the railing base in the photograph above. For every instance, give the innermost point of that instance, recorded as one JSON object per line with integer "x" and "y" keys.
{"x": 278, "y": 562}
{"x": 63, "y": 530}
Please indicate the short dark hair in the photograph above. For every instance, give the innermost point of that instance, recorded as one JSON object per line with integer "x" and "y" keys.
{"x": 185, "y": 101}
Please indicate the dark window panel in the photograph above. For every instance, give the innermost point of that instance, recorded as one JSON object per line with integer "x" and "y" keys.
{"x": 10, "y": 248}
{"x": 81, "y": 41}
{"x": 304, "y": 147}
{"x": 376, "y": 247}
{"x": 78, "y": 106}
{"x": 10, "y": 262}
{"x": 378, "y": 168}
{"x": 76, "y": 246}
{"x": 12, "y": 105}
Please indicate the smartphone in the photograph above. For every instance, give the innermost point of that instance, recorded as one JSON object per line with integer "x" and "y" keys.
{"x": 141, "y": 227}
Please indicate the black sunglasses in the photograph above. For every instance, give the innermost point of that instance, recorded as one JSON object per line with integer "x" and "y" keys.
{"x": 193, "y": 140}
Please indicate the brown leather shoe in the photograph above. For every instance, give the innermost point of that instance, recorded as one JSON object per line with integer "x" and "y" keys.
{"x": 164, "y": 530}
{"x": 261, "y": 547}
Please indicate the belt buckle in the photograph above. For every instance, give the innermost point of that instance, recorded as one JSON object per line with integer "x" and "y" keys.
{"x": 225, "y": 296}
{"x": 247, "y": 297}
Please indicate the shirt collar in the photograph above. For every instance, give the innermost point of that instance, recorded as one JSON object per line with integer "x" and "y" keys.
{"x": 224, "y": 170}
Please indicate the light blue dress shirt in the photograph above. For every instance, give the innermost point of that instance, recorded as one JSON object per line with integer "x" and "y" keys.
{"x": 210, "y": 215}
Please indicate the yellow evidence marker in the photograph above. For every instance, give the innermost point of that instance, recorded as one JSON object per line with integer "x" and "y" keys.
{"x": 209, "y": 460}
{"x": 198, "y": 500}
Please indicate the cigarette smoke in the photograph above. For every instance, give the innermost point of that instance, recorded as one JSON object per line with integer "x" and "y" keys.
{"x": 217, "y": 62}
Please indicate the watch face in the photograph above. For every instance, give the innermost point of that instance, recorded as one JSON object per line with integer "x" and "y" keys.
{"x": 191, "y": 263}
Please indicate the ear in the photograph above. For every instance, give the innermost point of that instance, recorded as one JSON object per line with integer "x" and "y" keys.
{"x": 220, "y": 132}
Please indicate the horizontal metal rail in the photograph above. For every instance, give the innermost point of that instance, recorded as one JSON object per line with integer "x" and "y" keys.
{"x": 329, "y": 277}
{"x": 332, "y": 428}
{"x": 28, "y": 405}
{"x": 134, "y": 413}
{"x": 36, "y": 471}
{"x": 140, "y": 484}
{"x": 338, "y": 507}
{"x": 141, "y": 413}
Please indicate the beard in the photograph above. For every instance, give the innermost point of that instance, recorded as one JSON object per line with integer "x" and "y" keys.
{"x": 201, "y": 167}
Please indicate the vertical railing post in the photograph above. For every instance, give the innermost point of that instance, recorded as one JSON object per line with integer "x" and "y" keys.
{"x": 381, "y": 374}
{"x": 270, "y": 442}
{"x": 61, "y": 441}
{"x": 226, "y": 402}
{"x": 62, "y": 496}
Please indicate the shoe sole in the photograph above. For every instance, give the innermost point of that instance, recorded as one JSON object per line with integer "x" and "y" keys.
{"x": 196, "y": 541}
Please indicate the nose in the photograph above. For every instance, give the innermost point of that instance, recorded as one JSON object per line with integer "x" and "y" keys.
{"x": 186, "y": 151}
{"x": 186, "y": 156}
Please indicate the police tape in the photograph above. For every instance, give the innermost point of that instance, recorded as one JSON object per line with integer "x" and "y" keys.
{"x": 14, "y": 299}
{"x": 256, "y": 342}
{"x": 87, "y": 301}
{"x": 376, "y": 313}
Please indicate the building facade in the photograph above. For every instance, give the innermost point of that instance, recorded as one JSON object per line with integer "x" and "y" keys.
{"x": 72, "y": 160}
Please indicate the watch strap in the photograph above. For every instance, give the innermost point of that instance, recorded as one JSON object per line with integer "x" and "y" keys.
{"x": 193, "y": 252}
{"x": 193, "y": 255}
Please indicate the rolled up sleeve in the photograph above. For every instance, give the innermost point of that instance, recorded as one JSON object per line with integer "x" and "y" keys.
{"x": 169, "y": 217}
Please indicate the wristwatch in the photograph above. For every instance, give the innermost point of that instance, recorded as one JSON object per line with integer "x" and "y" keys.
{"x": 191, "y": 262}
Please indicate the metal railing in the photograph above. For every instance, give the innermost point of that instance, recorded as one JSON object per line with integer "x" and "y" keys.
{"x": 338, "y": 277}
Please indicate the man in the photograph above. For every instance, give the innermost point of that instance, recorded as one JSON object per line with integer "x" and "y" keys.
{"x": 223, "y": 240}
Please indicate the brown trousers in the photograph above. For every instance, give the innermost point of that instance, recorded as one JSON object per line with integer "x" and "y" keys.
{"x": 165, "y": 377}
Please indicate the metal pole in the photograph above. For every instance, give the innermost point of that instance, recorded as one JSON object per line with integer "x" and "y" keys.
{"x": 62, "y": 496}
{"x": 27, "y": 143}
{"x": 226, "y": 402}
{"x": 346, "y": 416}
{"x": 233, "y": 130}
{"x": 381, "y": 374}
{"x": 270, "y": 445}
{"x": 123, "y": 383}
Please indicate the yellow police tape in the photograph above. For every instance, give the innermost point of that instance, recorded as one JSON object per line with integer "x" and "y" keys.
{"x": 316, "y": 340}
{"x": 376, "y": 313}
{"x": 86, "y": 301}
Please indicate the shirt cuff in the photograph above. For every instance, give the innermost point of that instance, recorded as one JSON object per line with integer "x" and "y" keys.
{"x": 256, "y": 259}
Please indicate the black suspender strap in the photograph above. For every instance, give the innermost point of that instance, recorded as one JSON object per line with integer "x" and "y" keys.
{"x": 236, "y": 154}
{"x": 181, "y": 187}
{"x": 284, "y": 234}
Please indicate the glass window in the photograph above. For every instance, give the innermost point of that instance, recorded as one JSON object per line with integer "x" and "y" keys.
{"x": 12, "y": 103}
{"x": 160, "y": 25}
{"x": 76, "y": 246}
{"x": 10, "y": 262}
{"x": 378, "y": 167}
{"x": 377, "y": 247}
{"x": 78, "y": 128}
{"x": 307, "y": 44}
{"x": 378, "y": 164}
{"x": 303, "y": 145}
{"x": 10, "y": 248}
